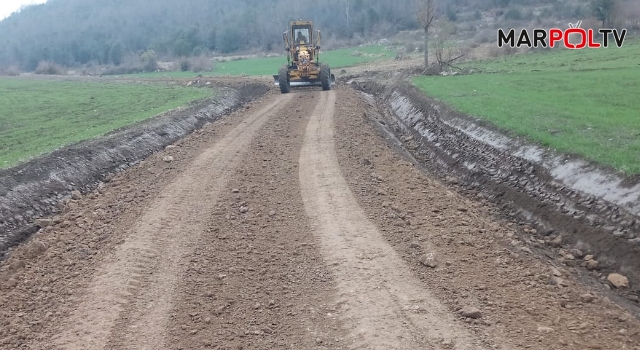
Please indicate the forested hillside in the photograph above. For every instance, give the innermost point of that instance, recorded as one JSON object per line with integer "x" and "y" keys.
{"x": 107, "y": 32}
{"x": 71, "y": 32}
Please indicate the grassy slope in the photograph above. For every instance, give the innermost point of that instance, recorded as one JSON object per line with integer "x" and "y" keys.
{"x": 269, "y": 65}
{"x": 39, "y": 116}
{"x": 576, "y": 101}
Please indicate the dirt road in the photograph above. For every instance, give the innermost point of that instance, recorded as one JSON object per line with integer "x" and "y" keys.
{"x": 292, "y": 224}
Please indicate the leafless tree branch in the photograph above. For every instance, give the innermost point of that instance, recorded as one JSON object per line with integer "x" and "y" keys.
{"x": 426, "y": 13}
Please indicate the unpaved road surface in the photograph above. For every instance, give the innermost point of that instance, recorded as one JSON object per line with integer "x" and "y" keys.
{"x": 292, "y": 224}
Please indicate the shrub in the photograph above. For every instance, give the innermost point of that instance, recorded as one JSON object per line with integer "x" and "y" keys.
{"x": 197, "y": 64}
{"x": 452, "y": 15}
{"x": 409, "y": 47}
{"x": 49, "y": 68}
{"x": 400, "y": 56}
{"x": 484, "y": 37}
{"x": 513, "y": 14}
{"x": 185, "y": 65}
{"x": 201, "y": 64}
{"x": 122, "y": 69}
{"x": 150, "y": 61}
{"x": 495, "y": 51}
{"x": 12, "y": 71}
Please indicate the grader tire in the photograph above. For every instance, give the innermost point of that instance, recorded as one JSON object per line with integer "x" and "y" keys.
{"x": 325, "y": 77}
{"x": 283, "y": 78}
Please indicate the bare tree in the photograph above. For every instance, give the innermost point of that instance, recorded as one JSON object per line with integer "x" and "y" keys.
{"x": 426, "y": 14}
{"x": 347, "y": 8}
{"x": 626, "y": 13}
{"x": 633, "y": 17}
{"x": 602, "y": 9}
{"x": 444, "y": 51}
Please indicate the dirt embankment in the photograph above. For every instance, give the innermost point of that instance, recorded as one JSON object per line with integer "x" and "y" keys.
{"x": 39, "y": 187}
{"x": 466, "y": 256}
{"x": 566, "y": 208}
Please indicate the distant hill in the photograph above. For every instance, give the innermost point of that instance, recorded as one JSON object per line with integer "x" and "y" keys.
{"x": 75, "y": 32}
{"x": 108, "y": 32}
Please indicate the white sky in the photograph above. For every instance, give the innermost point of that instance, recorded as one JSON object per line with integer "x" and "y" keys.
{"x": 8, "y": 7}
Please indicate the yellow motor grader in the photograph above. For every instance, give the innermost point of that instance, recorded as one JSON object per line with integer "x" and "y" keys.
{"x": 303, "y": 66}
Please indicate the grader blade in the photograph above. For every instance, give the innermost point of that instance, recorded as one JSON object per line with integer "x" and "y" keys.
{"x": 276, "y": 82}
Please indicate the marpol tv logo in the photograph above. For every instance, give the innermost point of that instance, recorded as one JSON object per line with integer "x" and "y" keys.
{"x": 573, "y": 37}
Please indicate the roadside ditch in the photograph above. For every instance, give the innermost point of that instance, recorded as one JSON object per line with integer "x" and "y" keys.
{"x": 565, "y": 208}
{"x": 39, "y": 187}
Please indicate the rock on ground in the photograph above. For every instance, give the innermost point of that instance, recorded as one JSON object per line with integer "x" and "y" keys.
{"x": 618, "y": 280}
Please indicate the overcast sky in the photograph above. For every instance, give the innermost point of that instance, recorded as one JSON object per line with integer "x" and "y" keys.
{"x": 8, "y": 7}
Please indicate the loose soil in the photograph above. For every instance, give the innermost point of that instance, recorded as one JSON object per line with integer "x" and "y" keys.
{"x": 383, "y": 304}
{"x": 554, "y": 217}
{"x": 477, "y": 261}
{"x": 35, "y": 189}
{"x": 293, "y": 223}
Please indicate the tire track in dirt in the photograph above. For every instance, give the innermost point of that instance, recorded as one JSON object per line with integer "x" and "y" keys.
{"x": 526, "y": 300}
{"x": 382, "y": 303}
{"x": 256, "y": 279}
{"x": 117, "y": 308}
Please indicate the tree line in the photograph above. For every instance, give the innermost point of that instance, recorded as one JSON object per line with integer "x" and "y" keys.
{"x": 76, "y": 32}
{"x": 106, "y": 32}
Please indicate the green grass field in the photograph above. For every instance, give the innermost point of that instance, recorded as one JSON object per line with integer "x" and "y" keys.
{"x": 582, "y": 102}
{"x": 38, "y": 116}
{"x": 270, "y": 65}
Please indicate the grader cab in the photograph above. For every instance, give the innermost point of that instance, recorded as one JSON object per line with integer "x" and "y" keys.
{"x": 303, "y": 66}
